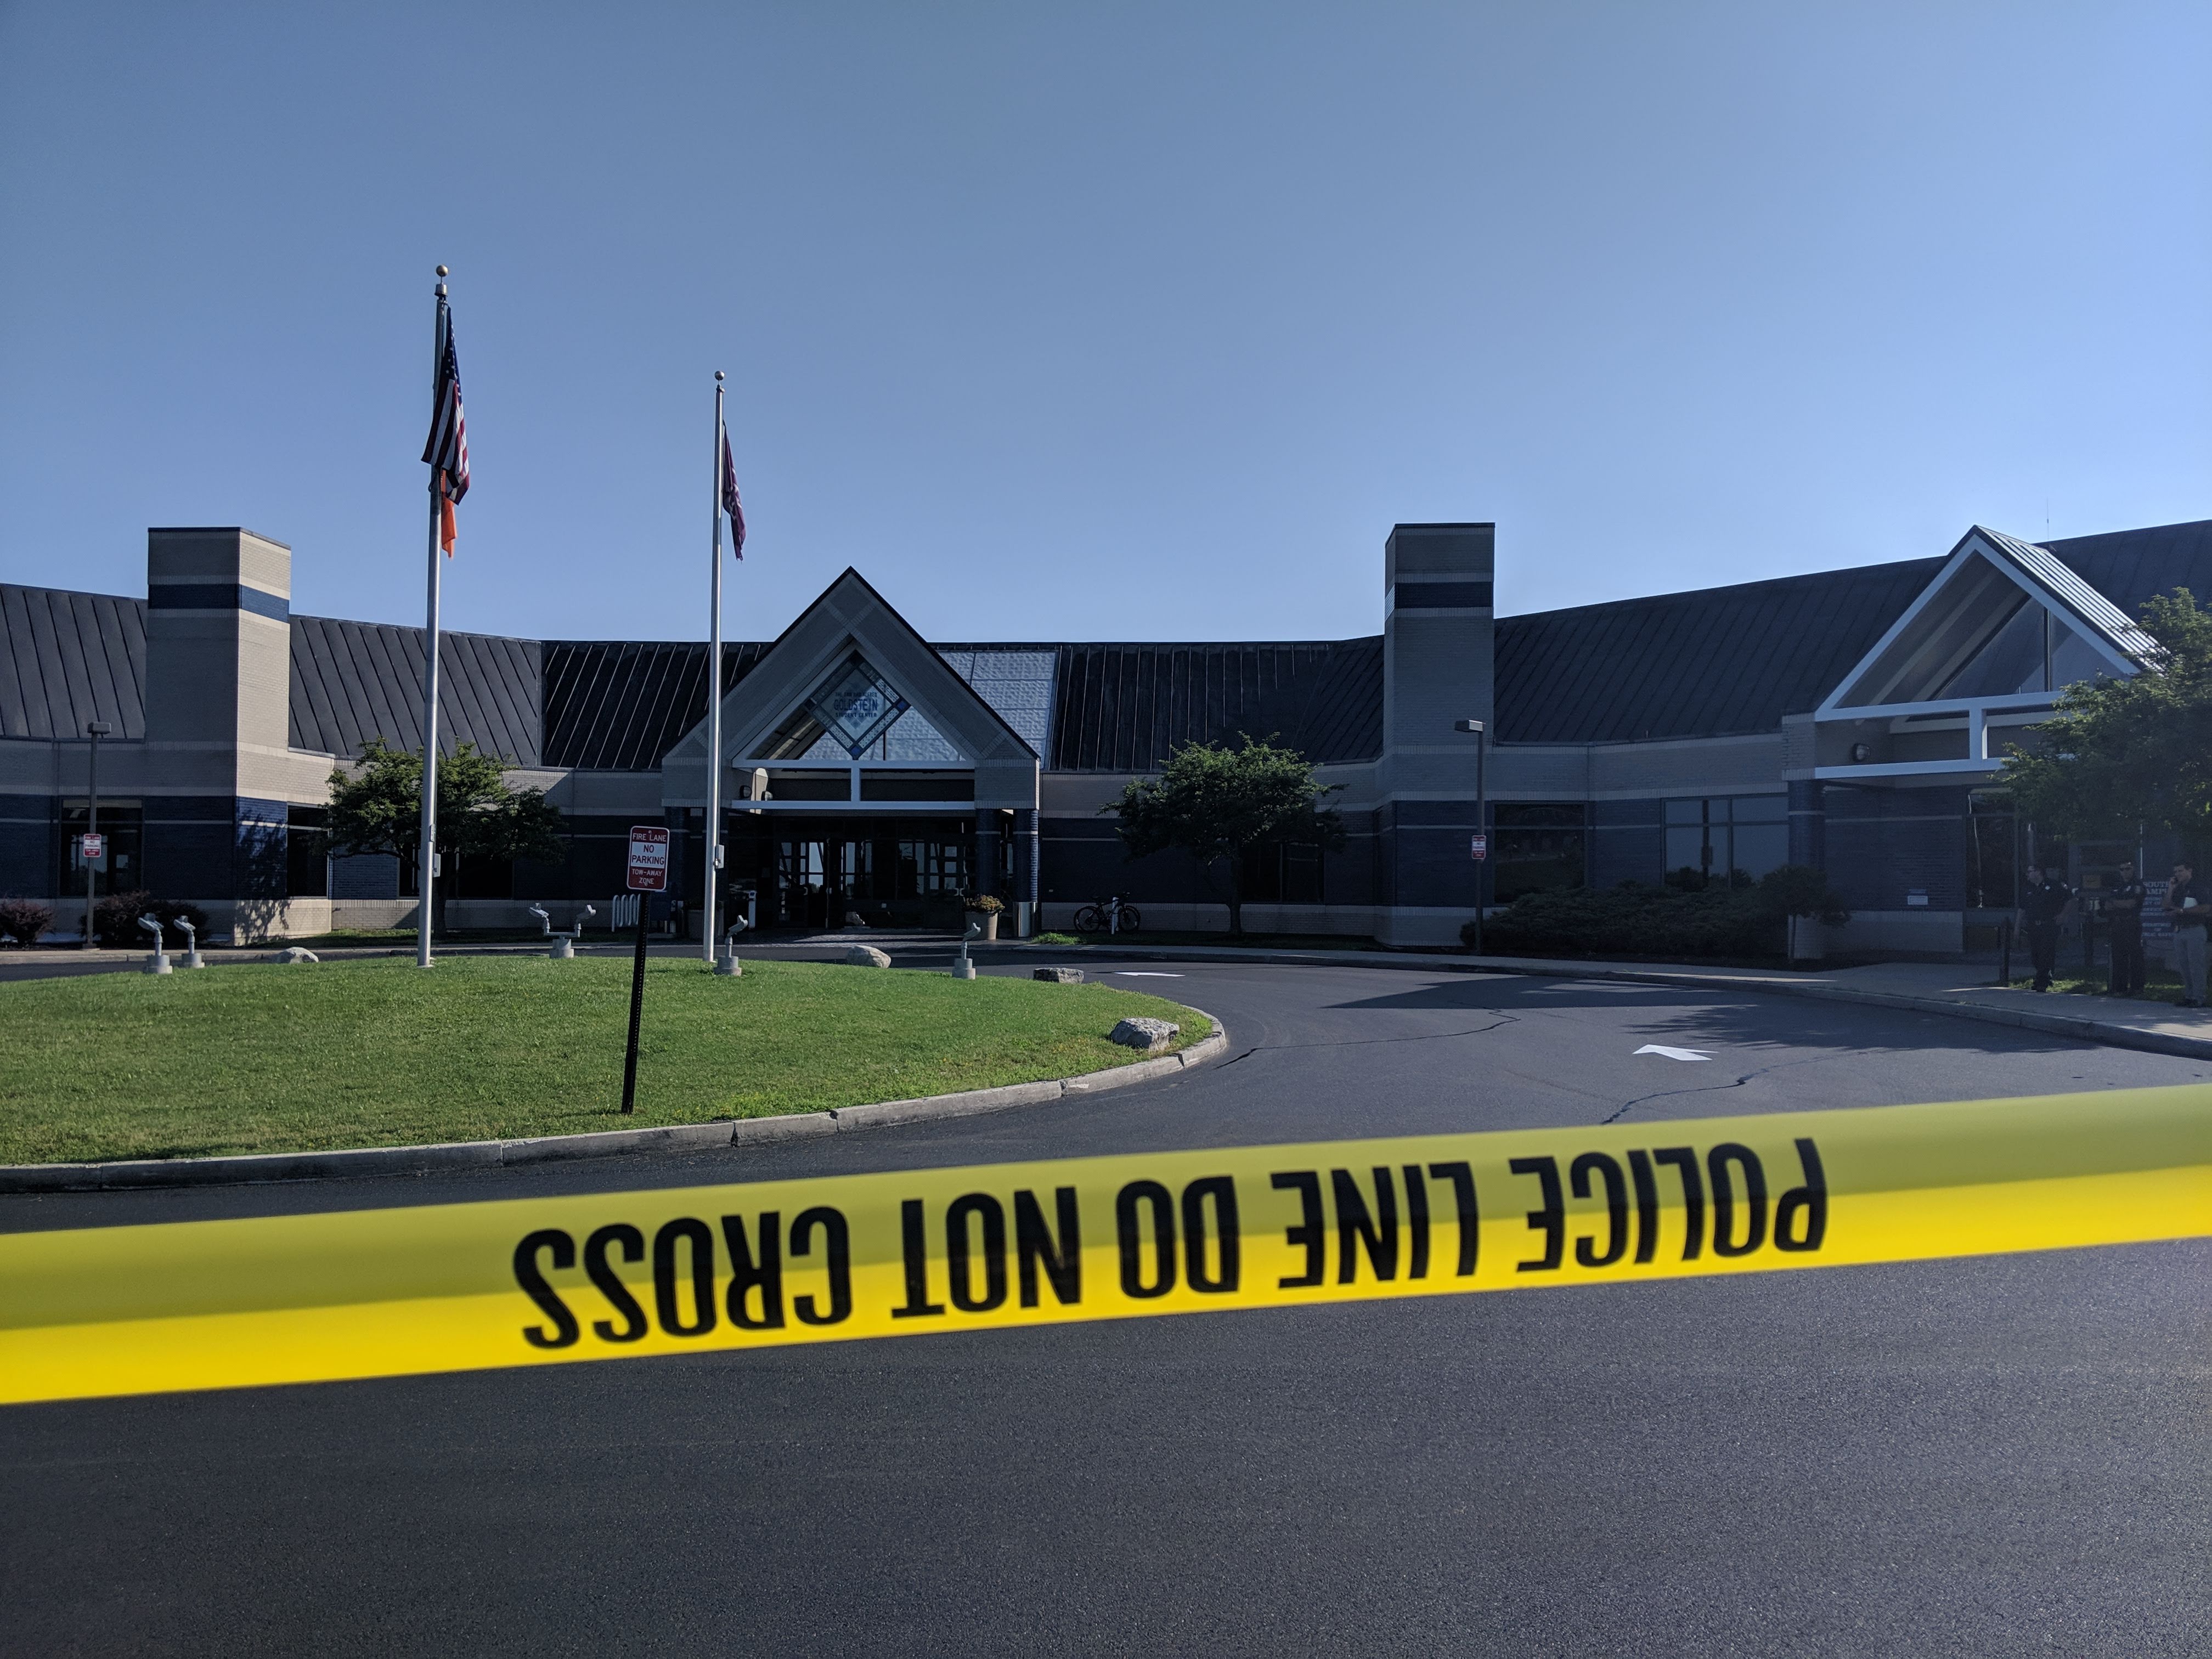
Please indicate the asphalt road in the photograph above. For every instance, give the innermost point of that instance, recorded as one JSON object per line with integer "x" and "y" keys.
{"x": 1987, "y": 1456}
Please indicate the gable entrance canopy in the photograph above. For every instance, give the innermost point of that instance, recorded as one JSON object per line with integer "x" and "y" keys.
{"x": 2002, "y": 630}
{"x": 852, "y": 710}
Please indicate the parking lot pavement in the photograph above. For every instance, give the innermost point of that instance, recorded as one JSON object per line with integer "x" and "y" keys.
{"x": 1978, "y": 1457}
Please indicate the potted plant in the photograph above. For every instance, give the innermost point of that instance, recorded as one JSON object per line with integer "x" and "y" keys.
{"x": 988, "y": 907}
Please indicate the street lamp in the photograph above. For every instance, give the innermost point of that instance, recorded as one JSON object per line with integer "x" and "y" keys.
{"x": 1481, "y": 820}
{"x": 95, "y": 730}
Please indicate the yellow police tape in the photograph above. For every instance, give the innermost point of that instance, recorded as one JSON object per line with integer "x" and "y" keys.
{"x": 299, "y": 1298}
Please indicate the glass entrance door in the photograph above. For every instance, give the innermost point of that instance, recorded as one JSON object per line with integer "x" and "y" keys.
{"x": 892, "y": 872}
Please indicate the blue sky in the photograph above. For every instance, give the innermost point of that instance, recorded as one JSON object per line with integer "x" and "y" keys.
{"x": 1097, "y": 322}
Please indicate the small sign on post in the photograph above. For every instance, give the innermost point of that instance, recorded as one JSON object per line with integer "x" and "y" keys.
{"x": 648, "y": 873}
{"x": 1479, "y": 847}
{"x": 91, "y": 848}
{"x": 649, "y": 859}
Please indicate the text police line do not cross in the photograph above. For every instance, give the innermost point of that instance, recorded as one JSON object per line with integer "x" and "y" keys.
{"x": 321, "y": 1295}
{"x": 1341, "y": 1226}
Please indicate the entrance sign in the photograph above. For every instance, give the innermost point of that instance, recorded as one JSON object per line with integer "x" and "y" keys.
{"x": 92, "y": 848}
{"x": 856, "y": 705}
{"x": 1479, "y": 847}
{"x": 649, "y": 859}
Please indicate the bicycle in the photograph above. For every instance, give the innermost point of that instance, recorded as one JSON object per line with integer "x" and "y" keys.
{"x": 1108, "y": 917}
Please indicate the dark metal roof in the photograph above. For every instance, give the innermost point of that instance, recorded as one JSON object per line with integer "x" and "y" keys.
{"x": 1727, "y": 659}
{"x": 615, "y": 705}
{"x": 353, "y": 680}
{"x": 2080, "y": 597}
{"x": 2130, "y": 566}
{"x": 1123, "y": 708}
{"x": 1735, "y": 660}
{"x": 66, "y": 659}
{"x": 1723, "y": 660}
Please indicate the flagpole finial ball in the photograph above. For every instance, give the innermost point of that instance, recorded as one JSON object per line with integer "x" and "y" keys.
{"x": 443, "y": 272}
{"x": 718, "y": 373}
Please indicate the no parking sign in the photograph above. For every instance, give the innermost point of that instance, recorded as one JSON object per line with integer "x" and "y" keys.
{"x": 649, "y": 859}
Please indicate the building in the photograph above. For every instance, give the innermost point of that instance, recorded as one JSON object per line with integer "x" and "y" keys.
{"x": 1848, "y": 719}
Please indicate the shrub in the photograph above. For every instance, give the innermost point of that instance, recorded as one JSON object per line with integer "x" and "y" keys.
{"x": 115, "y": 918}
{"x": 23, "y": 920}
{"x": 1633, "y": 919}
{"x": 986, "y": 904}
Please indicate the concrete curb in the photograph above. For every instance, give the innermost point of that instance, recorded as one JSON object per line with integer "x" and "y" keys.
{"x": 2109, "y": 1033}
{"x": 613, "y": 1143}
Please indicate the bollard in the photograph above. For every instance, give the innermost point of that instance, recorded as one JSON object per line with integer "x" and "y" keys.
{"x": 159, "y": 962}
{"x": 962, "y": 967}
{"x": 564, "y": 948}
{"x": 191, "y": 944}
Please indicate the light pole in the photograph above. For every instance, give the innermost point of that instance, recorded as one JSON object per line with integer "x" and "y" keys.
{"x": 95, "y": 730}
{"x": 1481, "y": 820}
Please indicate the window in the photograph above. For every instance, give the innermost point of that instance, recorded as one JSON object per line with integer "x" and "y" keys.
{"x": 917, "y": 785}
{"x": 810, "y": 785}
{"x": 1993, "y": 858}
{"x": 476, "y": 878}
{"x": 1737, "y": 839}
{"x": 1279, "y": 872}
{"x": 937, "y": 867}
{"x": 1537, "y": 849}
{"x": 123, "y": 822}
{"x": 2033, "y": 652}
{"x": 307, "y": 852}
{"x": 851, "y": 708}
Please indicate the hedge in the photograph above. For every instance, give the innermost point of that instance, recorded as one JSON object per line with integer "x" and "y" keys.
{"x": 1633, "y": 919}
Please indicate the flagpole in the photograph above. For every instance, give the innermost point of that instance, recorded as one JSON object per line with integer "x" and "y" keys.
{"x": 714, "y": 840}
{"x": 426, "y": 858}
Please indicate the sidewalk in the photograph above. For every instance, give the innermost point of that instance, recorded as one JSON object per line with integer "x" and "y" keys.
{"x": 1961, "y": 989}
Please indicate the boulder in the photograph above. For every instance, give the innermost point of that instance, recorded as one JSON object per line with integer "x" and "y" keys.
{"x": 866, "y": 956}
{"x": 1149, "y": 1034}
{"x": 294, "y": 953}
{"x": 1058, "y": 975}
{"x": 855, "y": 918}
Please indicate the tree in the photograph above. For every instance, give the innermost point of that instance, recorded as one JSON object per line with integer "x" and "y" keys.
{"x": 377, "y": 807}
{"x": 2120, "y": 752}
{"x": 1219, "y": 804}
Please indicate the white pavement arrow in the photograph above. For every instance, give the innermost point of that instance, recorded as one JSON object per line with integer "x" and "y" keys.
{"x": 1672, "y": 1054}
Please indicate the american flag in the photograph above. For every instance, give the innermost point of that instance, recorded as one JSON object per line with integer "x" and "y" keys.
{"x": 730, "y": 504}
{"x": 447, "y": 450}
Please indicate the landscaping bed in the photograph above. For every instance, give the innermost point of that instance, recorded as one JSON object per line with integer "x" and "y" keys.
{"x": 2162, "y": 984}
{"x": 263, "y": 1058}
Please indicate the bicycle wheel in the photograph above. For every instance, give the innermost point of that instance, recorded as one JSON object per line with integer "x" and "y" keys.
{"x": 1130, "y": 920}
{"x": 1090, "y": 920}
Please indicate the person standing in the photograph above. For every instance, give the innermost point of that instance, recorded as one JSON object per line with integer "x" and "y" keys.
{"x": 2125, "y": 905}
{"x": 2189, "y": 907}
{"x": 2042, "y": 904}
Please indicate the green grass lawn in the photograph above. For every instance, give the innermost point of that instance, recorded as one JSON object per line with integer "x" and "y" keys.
{"x": 263, "y": 1058}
